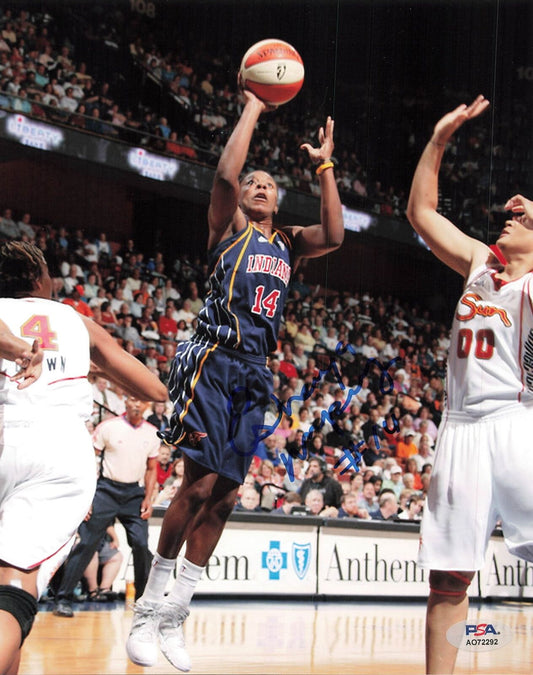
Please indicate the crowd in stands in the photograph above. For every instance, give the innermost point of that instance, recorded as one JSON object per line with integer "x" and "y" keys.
{"x": 42, "y": 75}
{"x": 353, "y": 373}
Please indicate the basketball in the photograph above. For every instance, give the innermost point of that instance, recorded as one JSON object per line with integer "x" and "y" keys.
{"x": 273, "y": 71}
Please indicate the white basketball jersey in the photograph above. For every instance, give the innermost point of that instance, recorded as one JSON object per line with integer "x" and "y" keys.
{"x": 490, "y": 362}
{"x": 66, "y": 360}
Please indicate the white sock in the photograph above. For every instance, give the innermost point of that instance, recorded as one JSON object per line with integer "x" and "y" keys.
{"x": 188, "y": 577}
{"x": 157, "y": 580}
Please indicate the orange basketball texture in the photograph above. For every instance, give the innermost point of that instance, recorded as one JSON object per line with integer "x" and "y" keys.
{"x": 272, "y": 70}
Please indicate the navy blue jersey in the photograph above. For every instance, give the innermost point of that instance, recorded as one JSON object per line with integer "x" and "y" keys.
{"x": 248, "y": 287}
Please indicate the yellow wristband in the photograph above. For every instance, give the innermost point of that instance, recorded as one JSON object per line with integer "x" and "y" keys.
{"x": 323, "y": 167}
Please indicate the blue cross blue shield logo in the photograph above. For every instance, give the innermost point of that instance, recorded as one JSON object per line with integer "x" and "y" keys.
{"x": 274, "y": 560}
{"x": 301, "y": 559}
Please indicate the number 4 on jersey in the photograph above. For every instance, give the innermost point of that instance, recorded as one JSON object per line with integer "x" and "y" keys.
{"x": 38, "y": 328}
{"x": 269, "y": 304}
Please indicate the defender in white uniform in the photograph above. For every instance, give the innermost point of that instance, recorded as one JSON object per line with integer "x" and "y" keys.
{"x": 47, "y": 465}
{"x": 44, "y": 436}
{"x": 481, "y": 473}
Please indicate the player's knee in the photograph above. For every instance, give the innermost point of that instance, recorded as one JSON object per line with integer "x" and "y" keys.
{"x": 21, "y": 605}
{"x": 224, "y": 507}
{"x": 197, "y": 495}
{"x": 450, "y": 584}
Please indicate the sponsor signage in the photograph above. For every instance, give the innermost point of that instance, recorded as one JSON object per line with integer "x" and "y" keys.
{"x": 505, "y": 575}
{"x": 34, "y": 134}
{"x": 370, "y": 563}
{"x": 276, "y": 556}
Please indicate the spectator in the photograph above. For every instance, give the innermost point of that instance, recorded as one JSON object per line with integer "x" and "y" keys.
{"x": 295, "y": 481}
{"x": 26, "y": 229}
{"x": 158, "y": 418}
{"x": 350, "y": 509}
{"x": 178, "y": 469}
{"x": 372, "y": 455}
{"x": 164, "y": 464}
{"x": 106, "y": 402}
{"x": 395, "y": 483}
{"x": 248, "y": 501}
{"x": 8, "y": 227}
{"x": 290, "y": 500}
{"x": 388, "y": 507}
{"x": 74, "y": 300}
{"x": 424, "y": 420}
{"x": 108, "y": 317}
{"x": 424, "y": 455}
{"x": 185, "y": 313}
{"x": 314, "y": 500}
{"x": 105, "y": 564}
{"x": 127, "y": 331}
{"x": 195, "y": 301}
{"x": 91, "y": 288}
{"x": 413, "y": 509}
{"x": 68, "y": 102}
{"x": 368, "y": 500}
{"x": 406, "y": 447}
{"x": 268, "y": 450}
{"x": 164, "y": 497}
{"x": 356, "y": 484}
{"x": 411, "y": 467}
{"x": 167, "y": 326}
{"x": 318, "y": 480}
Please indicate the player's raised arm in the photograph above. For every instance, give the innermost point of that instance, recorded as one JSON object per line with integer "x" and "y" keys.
{"x": 121, "y": 367}
{"x": 224, "y": 212}
{"x": 328, "y": 235}
{"x": 456, "y": 249}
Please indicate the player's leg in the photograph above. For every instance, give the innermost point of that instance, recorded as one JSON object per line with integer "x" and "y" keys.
{"x": 197, "y": 485}
{"x": 447, "y": 605}
{"x": 18, "y": 606}
{"x": 202, "y": 539}
{"x": 515, "y": 497}
{"x": 459, "y": 517}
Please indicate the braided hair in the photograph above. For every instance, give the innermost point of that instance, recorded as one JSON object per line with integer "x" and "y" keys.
{"x": 20, "y": 268}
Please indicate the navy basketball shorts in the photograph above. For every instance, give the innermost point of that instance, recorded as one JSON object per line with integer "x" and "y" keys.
{"x": 220, "y": 398}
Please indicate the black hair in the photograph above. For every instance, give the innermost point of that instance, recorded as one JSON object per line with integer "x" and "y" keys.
{"x": 21, "y": 267}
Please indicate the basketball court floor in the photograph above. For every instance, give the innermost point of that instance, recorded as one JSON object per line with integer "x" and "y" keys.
{"x": 274, "y": 637}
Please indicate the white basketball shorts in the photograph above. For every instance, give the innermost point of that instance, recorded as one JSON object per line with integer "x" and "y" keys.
{"x": 482, "y": 474}
{"x": 47, "y": 483}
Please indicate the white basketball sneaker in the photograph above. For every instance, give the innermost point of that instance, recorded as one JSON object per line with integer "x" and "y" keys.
{"x": 171, "y": 640}
{"x": 142, "y": 645}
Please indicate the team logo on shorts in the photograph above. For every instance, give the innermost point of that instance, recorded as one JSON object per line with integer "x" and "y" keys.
{"x": 301, "y": 559}
{"x": 479, "y": 637}
{"x": 194, "y": 438}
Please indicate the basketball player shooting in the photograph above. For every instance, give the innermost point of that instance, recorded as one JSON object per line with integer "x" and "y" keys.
{"x": 219, "y": 383}
{"x": 481, "y": 473}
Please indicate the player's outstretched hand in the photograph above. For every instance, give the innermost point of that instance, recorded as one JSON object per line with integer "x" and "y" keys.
{"x": 30, "y": 367}
{"x": 448, "y": 125}
{"x": 325, "y": 138}
{"x": 519, "y": 204}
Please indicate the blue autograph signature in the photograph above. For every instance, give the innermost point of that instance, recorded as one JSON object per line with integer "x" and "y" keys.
{"x": 331, "y": 415}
